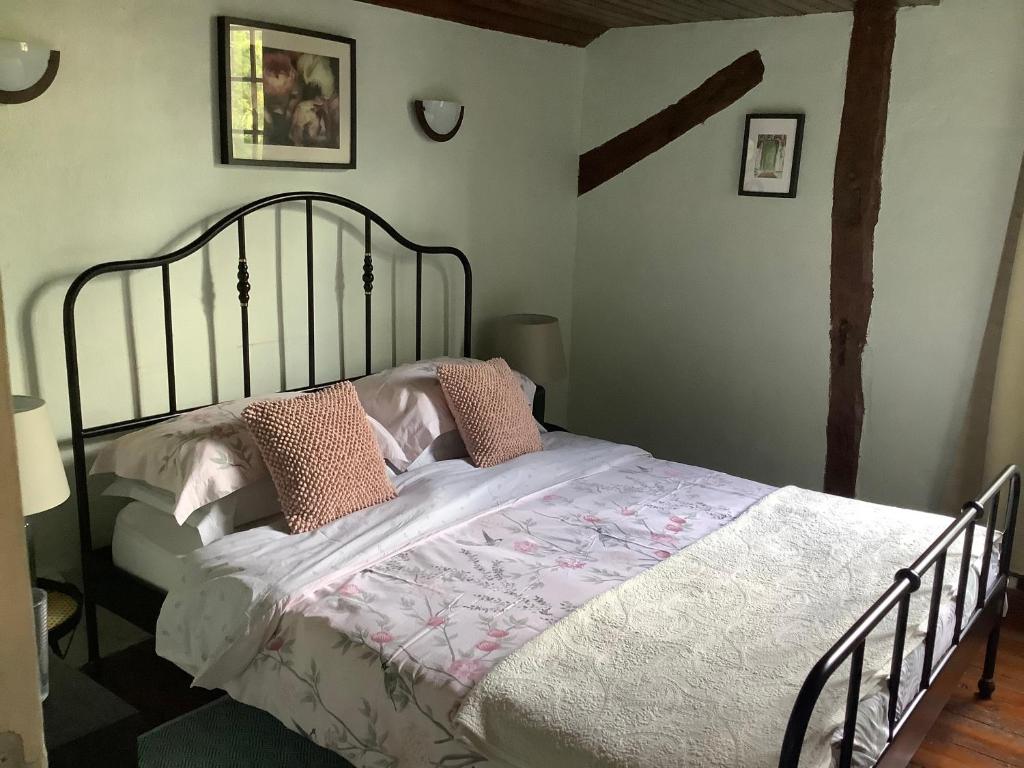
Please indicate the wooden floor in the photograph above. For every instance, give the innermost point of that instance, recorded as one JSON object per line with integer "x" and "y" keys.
{"x": 970, "y": 734}
{"x": 984, "y": 734}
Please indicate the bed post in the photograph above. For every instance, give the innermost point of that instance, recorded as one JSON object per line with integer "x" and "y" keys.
{"x": 539, "y": 403}
{"x": 368, "y": 293}
{"x": 78, "y": 453}
{"x": 987, "y": 681}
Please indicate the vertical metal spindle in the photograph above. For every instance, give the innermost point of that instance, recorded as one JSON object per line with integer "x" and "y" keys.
{"x": 467, "y": 311}
{"x": 419, "y": 305}
{"x": 933, "y": 620}
{"x": 1010, "y": 529}
{"x": 898, "y": 646}
{"x": 852, "y": 704}
{"x": 367, "y": 286}
{"x": 965, "y": 571}
{"x": 172, "y": 392}
{"x": 986, "y": 558}
{"x": 310, "y": 328}
{"x": 243, "y": 301}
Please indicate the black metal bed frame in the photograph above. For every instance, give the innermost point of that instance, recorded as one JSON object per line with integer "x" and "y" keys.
{"x": 91, "y": 562}
{"x": 976, "y": 626}
{"x": 973, "y": 624}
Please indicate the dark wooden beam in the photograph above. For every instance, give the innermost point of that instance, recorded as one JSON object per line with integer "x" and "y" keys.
{"x": 578, "y": 22}
{"x": 856, "y": 198}
{"x": 709, "y": 98}
{"x": 505, "y": 16}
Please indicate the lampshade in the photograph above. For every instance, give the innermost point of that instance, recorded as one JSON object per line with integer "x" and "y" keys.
{"x": 439, "y": 119}
{"x": 26, "y": 70}
{"x": 532, "y": 344}
{"x": 40, "y": 469}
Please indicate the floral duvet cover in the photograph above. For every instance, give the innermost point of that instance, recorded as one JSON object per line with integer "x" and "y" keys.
{"x": 373, "y": 665}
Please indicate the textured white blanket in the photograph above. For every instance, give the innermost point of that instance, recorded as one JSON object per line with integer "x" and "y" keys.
{"x": 697, "y": 661}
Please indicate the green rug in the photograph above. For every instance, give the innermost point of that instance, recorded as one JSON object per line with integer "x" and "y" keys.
{"x": 226, "y": 734}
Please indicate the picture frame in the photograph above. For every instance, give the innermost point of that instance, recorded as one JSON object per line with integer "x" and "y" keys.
{"x": 770, "y": 166}
{"x": 287, "y": 95}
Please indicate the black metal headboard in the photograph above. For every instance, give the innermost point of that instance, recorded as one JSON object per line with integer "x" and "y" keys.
{"x": 80, "y": 433}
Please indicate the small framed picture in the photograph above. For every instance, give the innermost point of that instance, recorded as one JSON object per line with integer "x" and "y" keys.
{"x": 771, "y": 155}
{"x": 287, "y": 96}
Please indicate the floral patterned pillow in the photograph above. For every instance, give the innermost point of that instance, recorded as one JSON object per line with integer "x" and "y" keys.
{"x": 202, "y": 456}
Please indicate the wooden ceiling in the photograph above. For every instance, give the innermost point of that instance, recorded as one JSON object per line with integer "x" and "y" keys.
{"x": 578, "y": 22}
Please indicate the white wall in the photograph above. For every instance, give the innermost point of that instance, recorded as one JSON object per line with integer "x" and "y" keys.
{"x": 701, "y": 317}
{"x": 119, "y": 160}
{"x": 698, "y": 318}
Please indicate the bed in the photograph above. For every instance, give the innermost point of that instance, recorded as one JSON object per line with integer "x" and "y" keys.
{"x": 371, "y": 637}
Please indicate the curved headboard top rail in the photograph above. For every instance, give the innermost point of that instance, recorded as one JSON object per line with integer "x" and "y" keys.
{"x": 79, "y": 432}
{"x": 237, "y": 216}
{"x": 129, "y": 265}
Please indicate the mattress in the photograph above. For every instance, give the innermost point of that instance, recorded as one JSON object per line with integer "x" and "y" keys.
{"x": 366, "y": 634}
{"x": 149, "y": 543}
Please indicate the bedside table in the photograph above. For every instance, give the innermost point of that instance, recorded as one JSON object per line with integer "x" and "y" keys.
{"x": 63, "y": 611}
{"x": 85, "y": 724}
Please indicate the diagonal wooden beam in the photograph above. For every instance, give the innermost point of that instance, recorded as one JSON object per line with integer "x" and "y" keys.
{"x": 856, "y": 198}
{"x": 719, "y": 91}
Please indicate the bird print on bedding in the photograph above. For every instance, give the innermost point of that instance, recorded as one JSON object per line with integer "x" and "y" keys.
{"x": 374, "y": 667}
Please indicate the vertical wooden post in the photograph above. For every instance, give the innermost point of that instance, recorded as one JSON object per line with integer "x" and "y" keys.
{"x": 857, "y": 191}
{"x": 21, "y": 716}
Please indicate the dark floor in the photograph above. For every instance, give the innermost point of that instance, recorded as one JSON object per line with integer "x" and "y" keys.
{"x": 154, "y": 686}
{"x": 971, "y": 733}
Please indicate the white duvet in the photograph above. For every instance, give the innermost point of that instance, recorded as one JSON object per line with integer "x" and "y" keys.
{"x": 368, "y": 634}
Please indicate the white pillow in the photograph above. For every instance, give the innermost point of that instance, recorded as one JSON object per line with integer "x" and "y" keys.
{"x": 444, "y": 447}
{"x": 202, "y": 456}
{"x": 408, "y": 403}
{"x": 253, "y": 504}
{"x": 214, "y": 521}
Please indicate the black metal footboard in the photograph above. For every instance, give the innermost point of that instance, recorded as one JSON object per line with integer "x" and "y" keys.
{"x": 906, "y": 582}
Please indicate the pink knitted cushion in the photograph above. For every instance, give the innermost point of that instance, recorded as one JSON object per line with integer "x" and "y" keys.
{"x": 321, "y": 454}
{"x": 490, "y": 410}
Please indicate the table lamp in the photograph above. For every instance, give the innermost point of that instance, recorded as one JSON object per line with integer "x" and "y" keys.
{"x": 44, "y": 485}
{"x": 532, "y": 345}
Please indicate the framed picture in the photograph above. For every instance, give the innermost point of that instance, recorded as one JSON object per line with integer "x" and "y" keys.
{"x": 771, "y": 155}
{"x": 287, "y": 96}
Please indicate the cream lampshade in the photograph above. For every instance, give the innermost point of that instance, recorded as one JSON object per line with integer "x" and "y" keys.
{"x": 44, "y": 484}
{"x": 532, "y": 345}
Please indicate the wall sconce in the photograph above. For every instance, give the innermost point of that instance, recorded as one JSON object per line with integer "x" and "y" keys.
{"x": 440, "y": 120}
{"x": 26, "y": 70}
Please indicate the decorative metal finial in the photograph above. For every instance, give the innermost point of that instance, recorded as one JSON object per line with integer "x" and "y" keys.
{"x": 243, "y": 282}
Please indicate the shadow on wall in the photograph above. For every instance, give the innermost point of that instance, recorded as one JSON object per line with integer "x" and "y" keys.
{"x": 120, "y": 329}
{"x": 968, "y": 470}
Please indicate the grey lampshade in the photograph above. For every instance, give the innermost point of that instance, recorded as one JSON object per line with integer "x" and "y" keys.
{"x": 532, "y": 344}
{"x": 44, "y": 485}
